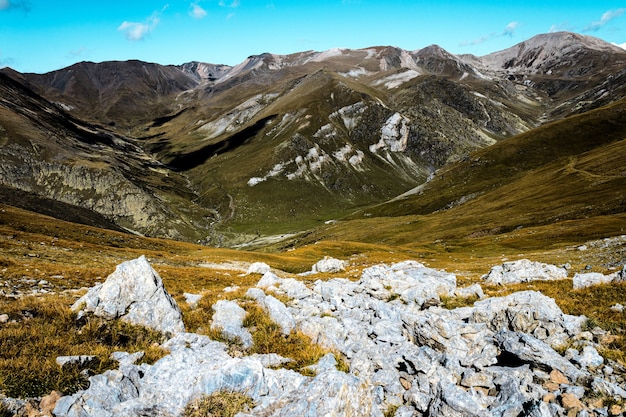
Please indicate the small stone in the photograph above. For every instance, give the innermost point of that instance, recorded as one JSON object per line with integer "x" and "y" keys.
{"x": 557, "y": 377}
{"x": 617, "y": 308}
{"x": 551, "y": 386}
{"x": 405, "y": 383}
{"x": 616, "y": 410}
{"x": 549, "y": 398}
{"x": 47, "y": 403}
{"x": 570, "y": 402}
{"x": 82, "y": 360}
{"x": 4, "y": 318}
{"x": 192, "y": 299}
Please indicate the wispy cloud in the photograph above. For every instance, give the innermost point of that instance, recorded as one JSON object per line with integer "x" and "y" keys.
{"x": 197, "y": 12}
{"x": 604, "y": 19}
{"x": 565, "y": 26}
{"x": 5, "y": 61}
{"x": 508, "y": 31}
{"x": 78, "y": 53}
{"x": 137, "y": 31}
{"x": 9, "y": 5}
{"x": 233, "y": 4}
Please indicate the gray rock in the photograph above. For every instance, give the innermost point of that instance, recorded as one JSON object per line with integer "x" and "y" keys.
{"x": 258, "y": 268}
{"x": 279, "y": 314}
{"x": 454, "y": 401}
{"x": 412, "y": 281}
{"x": 269, "y": 279}
{"x": 591, "y": 278}
{"x": 589, "y": 358}
{"x": 523, "y": 271}
{"x": 134, "y": 293}
{"x": 607, "y": 388}
{"x": 617, "y": 308}
{"x": 125, "y": 358}
{"x": 228, "y": 317}
{"x": 329, "y": 265}
{"x": 192, "y": 299}
{"x": 474, "y": 290}
{"x": 80, "y": 361}
{"x": 528, "y": 312}
{"x": 531, "y": 350}
{"x": 105, "y": 392}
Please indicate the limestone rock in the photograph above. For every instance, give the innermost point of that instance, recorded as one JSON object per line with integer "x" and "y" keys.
{"x": 528, "y": 312}
{"x": 495, "y": 358}
{"x": 80, "y": 361}
{"x": 329, "y": 265}
{"x": 192, "y": 299}
{"x": 523, "y": 271}
{"x": 531, "y": 350}
{"x": 591, "y": 278}
{"x": 258, "y": 268}
{"x": 474, "y": 290}
{"x": 134, "y": 293}
{"x": 228, "y": 317}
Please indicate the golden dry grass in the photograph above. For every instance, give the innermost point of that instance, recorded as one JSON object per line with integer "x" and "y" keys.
{"x": 219, "y": 404}
{"x": 71, "y": 256}
{"x": 42, "y": 328}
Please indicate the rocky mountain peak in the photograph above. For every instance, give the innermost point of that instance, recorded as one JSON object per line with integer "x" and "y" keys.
{"x": 560, "y": 53}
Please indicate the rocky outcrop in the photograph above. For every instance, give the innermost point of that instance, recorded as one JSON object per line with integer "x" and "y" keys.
{"x": 583, "y": 280}
{"x": 523, "y": 271}
{"x": 329, "y": 265}
{"x": 134, "y": 293}
{"x": 496, "y": 358}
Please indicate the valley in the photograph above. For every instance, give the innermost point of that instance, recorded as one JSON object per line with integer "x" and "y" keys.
{"x": 407, "y": 167}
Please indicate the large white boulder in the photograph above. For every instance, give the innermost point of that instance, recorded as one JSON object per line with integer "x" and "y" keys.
{"x": 134, "y": 293}
{"x": 523, "y": 271}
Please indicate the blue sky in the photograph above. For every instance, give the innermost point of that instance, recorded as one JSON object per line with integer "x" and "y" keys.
{"x": 45, "y": 35}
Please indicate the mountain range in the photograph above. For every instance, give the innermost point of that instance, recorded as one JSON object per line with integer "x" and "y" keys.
{"x": 282, "y": 144}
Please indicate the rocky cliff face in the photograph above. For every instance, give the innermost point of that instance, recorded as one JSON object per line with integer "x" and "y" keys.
{"x": 322, "y": 131}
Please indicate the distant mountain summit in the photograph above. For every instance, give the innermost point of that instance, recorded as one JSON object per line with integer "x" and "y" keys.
{"x": 281, "y": 143}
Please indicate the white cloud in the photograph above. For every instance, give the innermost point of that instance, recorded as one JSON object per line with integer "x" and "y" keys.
{"x": 621, "y": 45}
{"x": 15, "y": 5}
{"x": 197, "y": 12}
{"x": 509, "y": 31}
{"x": 77, "y": 53}
{"x": 137, "y": 31}
{"x": 604, "y": 19}
{"x": 5, "y": 61}
{"x": 233, "y": 4}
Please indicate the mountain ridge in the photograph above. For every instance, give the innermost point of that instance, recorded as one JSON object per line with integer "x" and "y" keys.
{"x": 282, "y": 143}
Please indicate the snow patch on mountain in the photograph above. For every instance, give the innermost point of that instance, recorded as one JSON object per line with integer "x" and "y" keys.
{"x": 394, "y": 134}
